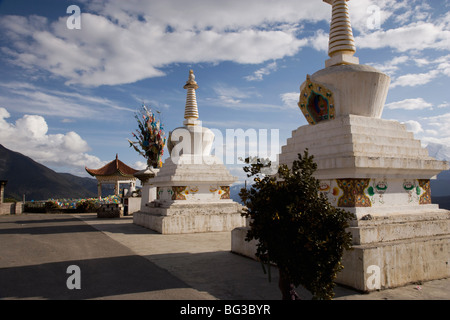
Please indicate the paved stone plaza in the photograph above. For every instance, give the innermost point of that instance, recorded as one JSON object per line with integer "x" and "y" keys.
{"x": 120, "y": 260}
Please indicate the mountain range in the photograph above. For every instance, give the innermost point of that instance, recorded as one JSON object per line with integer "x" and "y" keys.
{"x": 37, "y": 182}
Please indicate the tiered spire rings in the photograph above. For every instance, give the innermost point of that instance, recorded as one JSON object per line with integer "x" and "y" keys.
{"x": 191, "y": 109}
{"x": 341, "y": 46}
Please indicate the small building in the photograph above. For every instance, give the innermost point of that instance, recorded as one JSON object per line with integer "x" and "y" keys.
{"x": 2, "y": 190}
{"x": 115, "y": 172}
{"x": 10, "y": 207}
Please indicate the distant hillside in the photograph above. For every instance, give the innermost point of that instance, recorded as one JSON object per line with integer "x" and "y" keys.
{"x": 90, "y": 184}
{"x": 443, "y": 202}
{"x": 440, "y": 187}
{"x": 37, "y": 182}
{"x": 234, "y": 192}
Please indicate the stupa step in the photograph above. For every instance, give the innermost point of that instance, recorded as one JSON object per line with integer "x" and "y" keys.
{"x": 354, "y": 166}
{"x": 401, "y": 226}
{"x": 194, "y": 173}
{"x": 352, "y": 150}
{"x": 194, "y": 168}
{"x": 356, "y": 139}
{"x": 402, "y": 262}
{"x": 393, "y": 141}
{"x": 379, "y": 127}
{"x": 382, "y": 132}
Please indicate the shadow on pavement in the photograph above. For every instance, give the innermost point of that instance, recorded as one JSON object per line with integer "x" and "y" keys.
{"x": 99, "y": 278}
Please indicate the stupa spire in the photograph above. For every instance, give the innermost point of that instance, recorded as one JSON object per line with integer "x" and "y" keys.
{"x": 191, "y": 109}
{"x": 341, "y": 46}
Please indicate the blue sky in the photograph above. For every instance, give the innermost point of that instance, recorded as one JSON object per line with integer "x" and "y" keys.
{"x": 68, "y": 96}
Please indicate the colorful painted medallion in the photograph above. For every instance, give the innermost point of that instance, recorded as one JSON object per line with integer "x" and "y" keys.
{"x": 316, "y": 102}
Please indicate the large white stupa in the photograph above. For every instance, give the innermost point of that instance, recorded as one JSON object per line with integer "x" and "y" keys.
{"x": 371, "y": 167}
{"x": 192, "y": 188}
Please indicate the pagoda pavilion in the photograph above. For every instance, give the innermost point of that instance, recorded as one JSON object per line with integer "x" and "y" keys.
{"x": 115, "y": 172}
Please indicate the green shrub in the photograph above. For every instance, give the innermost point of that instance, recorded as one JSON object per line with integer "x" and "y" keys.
{"x": 52, "y": 207}
{"x": 87, "y": 206}
{"x": 34, "y": 207}
{"x": 296, "y": 227}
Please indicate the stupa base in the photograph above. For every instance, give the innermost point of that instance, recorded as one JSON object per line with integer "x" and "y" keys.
{"x": 386, "y": 265}
{"x": 192, "y": 218}
{"x": 388, "y": 251}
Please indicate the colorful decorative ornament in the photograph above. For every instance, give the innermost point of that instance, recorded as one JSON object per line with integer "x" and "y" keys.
{"x": 425, "y": 198}
{"x": 316, "y": 102}
{"x": 225, "y": 192}
{"x": 354, "y": 195}
{"x": 179, "y": 193}
{"x": 150, "y": 137}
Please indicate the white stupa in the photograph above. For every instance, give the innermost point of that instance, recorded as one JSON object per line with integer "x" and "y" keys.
{"x": 371, "y": 167}
{"x": 192, "y": 187}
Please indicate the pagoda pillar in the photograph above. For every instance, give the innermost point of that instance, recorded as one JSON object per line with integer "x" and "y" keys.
{"x": 99, "y": 190}
{"x": 117, "y": 188}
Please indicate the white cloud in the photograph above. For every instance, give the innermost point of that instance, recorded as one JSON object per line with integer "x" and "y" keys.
{"x": 392, "y": 66}
{"x": 235, "y": 124}
{"x": 70, "y": 105}
{"x": 437, "y": 67}
{"x": 319, "y": 41}
{"x": 238, "y": 172}
{"x": 139, "y": 165}
{"x": 440, "y": 124}
{"x": 242, "y": 98}
{"x": 412, "y": 80}
{"x": 29, "y": 136}
{"x": 443, "y": 65}
{"x": 232, "y": 96}
{"x": 126, "y": 41}
{"x": 290, "y": 99}
{"x": 436, "y": 132}
{"x": 431, "y": 132}
{"x": 216, "y": 15}
{"x": 416, "y": 36}
{"x": 414, "y": 126}
{"x": 259, "y": 74}
{"x": 445, "y": 104}
{"x": 410, "y": 104}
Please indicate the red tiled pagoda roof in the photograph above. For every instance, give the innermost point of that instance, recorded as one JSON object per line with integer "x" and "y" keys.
{"x": 113, "y": 168}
